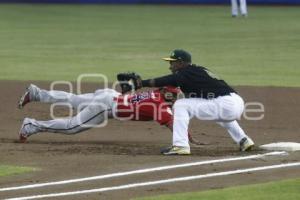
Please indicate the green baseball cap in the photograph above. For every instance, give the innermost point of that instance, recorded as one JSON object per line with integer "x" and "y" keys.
{"x": 179, "y": 54}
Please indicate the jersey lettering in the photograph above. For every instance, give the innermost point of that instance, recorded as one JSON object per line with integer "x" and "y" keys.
{"x": 140, "y": 97}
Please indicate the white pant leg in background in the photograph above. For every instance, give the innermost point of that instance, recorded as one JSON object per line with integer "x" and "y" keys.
{"x": 234, "y": 8}
{"x": 243, "y": 7}
{"x": 225, "y": 110}
{"x": 92, "y": 115}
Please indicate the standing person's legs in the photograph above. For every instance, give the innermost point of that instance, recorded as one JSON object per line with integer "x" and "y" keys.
{"x": 243, "y": 7}
{"x": 234, "y": 8}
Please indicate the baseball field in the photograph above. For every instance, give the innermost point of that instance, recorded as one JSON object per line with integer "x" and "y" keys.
{"x": 258, "y": 55}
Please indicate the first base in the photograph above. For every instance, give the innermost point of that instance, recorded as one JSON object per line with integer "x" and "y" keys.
{"x": 281, "y": 146}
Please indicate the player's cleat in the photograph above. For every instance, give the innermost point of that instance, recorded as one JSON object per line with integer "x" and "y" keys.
{"x": 23, "y": 133}
{"x": 28, "y": 96}
{"x": 24, "y": 99}
{"x": 246, "y": 144}
{"x": 175, "y": 150}
{"x": 22, "y": 138}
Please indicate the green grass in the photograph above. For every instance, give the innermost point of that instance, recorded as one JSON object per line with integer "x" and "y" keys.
{"x": 7, "y": 170}
{"x": 282, "y": 190}
{"x": 59, "y": 42}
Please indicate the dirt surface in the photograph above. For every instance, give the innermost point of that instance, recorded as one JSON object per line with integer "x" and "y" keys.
{"x": 125, "y": 146}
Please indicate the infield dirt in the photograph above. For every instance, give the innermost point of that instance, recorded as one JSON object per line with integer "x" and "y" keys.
{"x": 123, "y": 146}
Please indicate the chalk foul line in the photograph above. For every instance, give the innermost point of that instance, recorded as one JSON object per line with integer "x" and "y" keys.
{"x": 160, "y": 182}
{"x": 141, "y": 171}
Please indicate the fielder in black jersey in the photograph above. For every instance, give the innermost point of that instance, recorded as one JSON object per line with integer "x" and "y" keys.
{"x": 194, "y": 81}
{"x": 206, "y": 97}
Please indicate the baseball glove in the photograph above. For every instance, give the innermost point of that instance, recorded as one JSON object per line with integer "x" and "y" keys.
{"x": 129, "y": 81}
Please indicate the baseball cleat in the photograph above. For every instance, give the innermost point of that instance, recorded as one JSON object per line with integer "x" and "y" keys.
{"x": 23, "y": 134}
{"x": 28, "y": 96}
{"x": 22, "y": 138}
{"x": 176, "y": 150}
{"x": 24, "y": 99}
{"x": 246, "y": 144}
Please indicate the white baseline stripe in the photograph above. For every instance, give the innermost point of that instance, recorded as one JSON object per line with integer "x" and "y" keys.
{"x": 159, "y": 182}
{"x": 118, "y": 174}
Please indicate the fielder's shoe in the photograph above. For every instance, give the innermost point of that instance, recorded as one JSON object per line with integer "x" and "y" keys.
{"x": 246, "y": 144}
{"x": 175, "y": 150}
{"x": 24, "y": 133}
{"x": 29, "y": 95}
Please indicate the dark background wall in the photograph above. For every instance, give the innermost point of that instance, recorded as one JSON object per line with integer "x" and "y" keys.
{"x": 154, "y": 1}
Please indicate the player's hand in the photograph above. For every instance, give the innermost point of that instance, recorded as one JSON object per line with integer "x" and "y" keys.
{"x": 129, "y": 81}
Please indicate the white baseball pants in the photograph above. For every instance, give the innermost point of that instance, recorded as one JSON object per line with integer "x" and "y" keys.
{"x": 93, "y": 109}
{"x": 235, "y": 9}
{"x": 224, "y": 110}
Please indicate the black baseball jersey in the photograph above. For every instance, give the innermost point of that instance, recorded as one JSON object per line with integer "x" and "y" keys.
{"x": 195, "y": 82}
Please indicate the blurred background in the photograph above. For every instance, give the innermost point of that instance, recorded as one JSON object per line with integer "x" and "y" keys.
{"x": 62, "y": 39}
{"x": 156, "y": 1}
